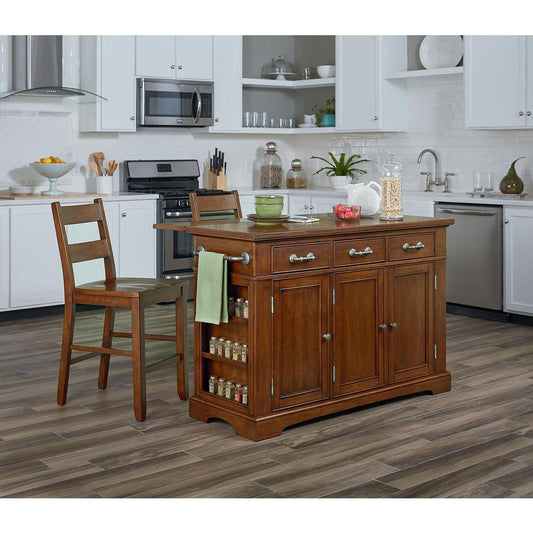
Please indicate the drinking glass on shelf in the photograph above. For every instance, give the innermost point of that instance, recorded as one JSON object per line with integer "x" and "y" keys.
{"x": 247, "y": 119}
{"x": 477, "y": 181}
{"x": 290, "y": 123}
{"x": 264, "y": 119}
{"x": 488, "y": 181}
{"x": 273, "y": 122}
{"x": 256, "y": 119}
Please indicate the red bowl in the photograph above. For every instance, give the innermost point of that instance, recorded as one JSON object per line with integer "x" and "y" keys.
{"x": 346, "y": 213}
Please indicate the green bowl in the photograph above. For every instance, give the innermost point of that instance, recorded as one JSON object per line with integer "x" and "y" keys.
{"x": 268, "y": 205}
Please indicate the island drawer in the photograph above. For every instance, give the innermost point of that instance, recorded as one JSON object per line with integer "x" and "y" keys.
{"x": 294, "y": 257}
{"x": 411, "y": 245}
{"x": 358, "y": 251}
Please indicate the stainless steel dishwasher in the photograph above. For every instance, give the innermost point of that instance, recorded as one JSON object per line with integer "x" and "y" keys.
{"x": 474, "y": 250}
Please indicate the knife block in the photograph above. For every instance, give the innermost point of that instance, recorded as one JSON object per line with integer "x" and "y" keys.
{"x": 219, "y": 182}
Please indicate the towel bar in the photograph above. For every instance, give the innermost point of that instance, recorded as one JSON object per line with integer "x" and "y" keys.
{"x": 244, "y": 258}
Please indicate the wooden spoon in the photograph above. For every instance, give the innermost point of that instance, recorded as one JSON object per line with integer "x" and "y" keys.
{"x": 98, "y": 158}
{"x": 94, "y": 166}
{"x": 111, "y": 166}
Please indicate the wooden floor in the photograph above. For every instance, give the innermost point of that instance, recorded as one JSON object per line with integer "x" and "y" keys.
{"x": 473, "y": 442}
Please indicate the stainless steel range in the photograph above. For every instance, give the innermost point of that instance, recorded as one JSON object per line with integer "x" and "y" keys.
{"x": 173, "y": 180}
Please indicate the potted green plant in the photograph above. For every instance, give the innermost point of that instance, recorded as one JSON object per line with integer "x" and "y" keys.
{"x": 341, "y": 171}
{"x": 325, "y": 117}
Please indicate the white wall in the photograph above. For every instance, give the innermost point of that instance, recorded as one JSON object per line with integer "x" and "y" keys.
{"x": 29, "y": 130}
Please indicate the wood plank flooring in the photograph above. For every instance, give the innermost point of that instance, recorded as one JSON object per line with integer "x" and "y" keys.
{"x": 473, "y": 442}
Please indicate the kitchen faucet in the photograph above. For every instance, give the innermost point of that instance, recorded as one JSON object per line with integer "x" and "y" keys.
{"x": 437, "y": 181}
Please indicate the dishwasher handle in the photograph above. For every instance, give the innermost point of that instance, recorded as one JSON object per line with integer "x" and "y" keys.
{"x": 466, "y": 212}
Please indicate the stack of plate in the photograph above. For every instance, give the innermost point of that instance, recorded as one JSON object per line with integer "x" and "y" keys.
{"x": 268, "y": 209}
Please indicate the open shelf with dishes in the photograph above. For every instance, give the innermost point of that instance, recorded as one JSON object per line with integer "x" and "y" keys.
{"x": 288, "y": 98}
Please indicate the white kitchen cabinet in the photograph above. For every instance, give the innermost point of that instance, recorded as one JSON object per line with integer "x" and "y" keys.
{"x": 4, "y": 257}
{"x": 36, "y": 278}
{"x": 108, "y": 69}
{"x": 227, "y": 77}
{"x": 365, "y": 99}
{"x": 135, "y": 255}
{"x": 313, "y": 204}
{"x": 498, "y": 81}
{"x": 182, "y": 57}
{"x": 517, "y": 260}
{"x": 247, "y": 202}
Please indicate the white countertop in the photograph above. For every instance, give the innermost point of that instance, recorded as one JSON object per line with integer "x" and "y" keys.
{"x": 436, "y": 196}
{"x": 66, "y": 199}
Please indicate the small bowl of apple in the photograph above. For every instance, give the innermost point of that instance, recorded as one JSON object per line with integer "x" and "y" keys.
{"x": 346, "y": 213}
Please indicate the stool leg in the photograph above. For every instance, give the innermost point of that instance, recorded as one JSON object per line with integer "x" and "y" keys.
{"x": 109, "y": 321}
{"x": 66, "y": 353}
{"x": 182, "y": 346}
{"x": 139, "y": 367}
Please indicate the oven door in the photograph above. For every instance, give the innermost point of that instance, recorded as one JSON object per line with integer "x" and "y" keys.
{"x": 173, "y": 103}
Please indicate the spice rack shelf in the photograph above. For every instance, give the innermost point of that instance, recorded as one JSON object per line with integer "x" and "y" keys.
{"x": 225, "y": 360}
{"x": 226, "y": 401}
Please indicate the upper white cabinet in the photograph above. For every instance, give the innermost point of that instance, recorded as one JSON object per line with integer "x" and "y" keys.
{"x": 517, "y": 260}
{"x": 227, "y": 77}
{"x": 182, "y": 57}
{"x": 108, "y": 69}
{"x": 365, "y": 99}
{"x": 498, "y": 82}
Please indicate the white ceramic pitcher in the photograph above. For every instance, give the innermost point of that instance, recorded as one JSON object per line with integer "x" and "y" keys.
{"x": 366, "y": 196}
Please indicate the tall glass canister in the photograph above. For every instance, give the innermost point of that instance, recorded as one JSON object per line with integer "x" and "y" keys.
{"x": 391, "y": 190}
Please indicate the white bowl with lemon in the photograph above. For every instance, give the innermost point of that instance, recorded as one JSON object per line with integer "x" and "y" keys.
{"x": 52, "y": 168}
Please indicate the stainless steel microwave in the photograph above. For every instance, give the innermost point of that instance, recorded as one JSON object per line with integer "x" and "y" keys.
{"x": 174, "y": 103}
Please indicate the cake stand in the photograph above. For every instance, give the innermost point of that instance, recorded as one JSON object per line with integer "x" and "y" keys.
{"x": 52, "y": 171}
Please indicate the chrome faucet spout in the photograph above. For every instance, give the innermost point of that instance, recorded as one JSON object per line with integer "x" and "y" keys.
{"x": 437, "y": 165}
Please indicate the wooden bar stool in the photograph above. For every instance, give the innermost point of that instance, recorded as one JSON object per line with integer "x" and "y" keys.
{"x": 113, "y": 292}
{"x": 201, "y": 204}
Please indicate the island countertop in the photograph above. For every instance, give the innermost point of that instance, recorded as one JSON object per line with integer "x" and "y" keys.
{"x": 327, "y": 225}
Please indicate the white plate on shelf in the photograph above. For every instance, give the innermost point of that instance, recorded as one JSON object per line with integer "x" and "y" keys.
{"x": 441, "y": 51}
{"x": 305, "y": 125}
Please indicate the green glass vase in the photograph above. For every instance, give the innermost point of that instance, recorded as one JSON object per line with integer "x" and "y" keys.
{"x": 511, "y": 183}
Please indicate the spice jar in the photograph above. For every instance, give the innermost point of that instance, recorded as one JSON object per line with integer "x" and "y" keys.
{"x": 245, "y": 395}
{"x": 231, "y": 306}
{"x": 244, "y": 353}
{"x": 391, "y": 190}
{"x": 239, "y": 304}
{"x": 213, "y": 342}
{"x": 238, "y": 393}
{"x": 236, "y": 354}
{"x": 220, "y": 346}
{"x": 230, "y": 390}
{"x": 220, "y": 388}
{"x": 212, "y": 384}
{"x": 296, "y": 178}
{"x": 245, "y": 309}
{"x": 228, "y": 345}
{"x": 270, "y": 174}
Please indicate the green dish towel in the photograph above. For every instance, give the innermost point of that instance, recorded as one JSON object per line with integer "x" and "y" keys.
{"x": 212, "y": 288}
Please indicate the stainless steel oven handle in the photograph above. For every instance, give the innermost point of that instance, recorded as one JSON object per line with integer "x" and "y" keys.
{"x": 177, "y": 214}
{"x": 466, "y": 212}
{"x": 198, "y": 104}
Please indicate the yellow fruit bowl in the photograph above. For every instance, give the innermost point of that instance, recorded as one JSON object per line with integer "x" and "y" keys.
{"x": 52, "y": 171}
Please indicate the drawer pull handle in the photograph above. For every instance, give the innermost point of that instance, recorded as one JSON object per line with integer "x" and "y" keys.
{"x": 383, "y": 327}
{"x": 327, "y": 336}
{"x": 393, "y": 325}
{"x": 354, "y": 253}
{"x": 418, "y": 246}
{"x": 295, "y": 259}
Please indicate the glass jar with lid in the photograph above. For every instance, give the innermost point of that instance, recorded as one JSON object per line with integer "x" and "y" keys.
{"x": 391, "y": 190}
{"x": 270, "y": 173}
{"x": 296, "y": 178}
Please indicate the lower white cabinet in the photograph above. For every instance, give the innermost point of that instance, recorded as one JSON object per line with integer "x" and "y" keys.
{"x": 36, "y": 278}
{"x": 517, "y": 260}
{"x": 30, "y": 267}
{"x": 313, "y": 204}
{"x": 4, "y": 257}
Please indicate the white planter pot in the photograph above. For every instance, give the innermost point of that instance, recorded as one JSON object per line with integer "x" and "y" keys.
{"x": 339, "y": 182}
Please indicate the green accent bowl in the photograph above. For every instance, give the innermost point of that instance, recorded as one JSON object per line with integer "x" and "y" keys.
{"x": 269, "y": 205}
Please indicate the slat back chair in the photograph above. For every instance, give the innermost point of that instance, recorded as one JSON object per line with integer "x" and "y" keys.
{"x": 132, "y": 293}
{"x": 202, "y": 204}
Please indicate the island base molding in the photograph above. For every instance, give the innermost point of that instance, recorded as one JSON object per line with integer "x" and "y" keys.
{"x": 273, "y": 424}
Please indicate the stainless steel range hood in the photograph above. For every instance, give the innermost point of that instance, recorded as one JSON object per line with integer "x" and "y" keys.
{"x": 37, "y": 70}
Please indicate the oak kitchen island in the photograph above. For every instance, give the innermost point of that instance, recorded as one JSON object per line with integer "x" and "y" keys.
{"x": 341, "y": 314}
